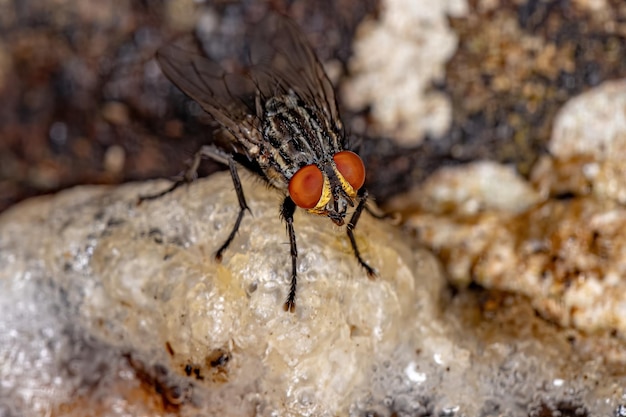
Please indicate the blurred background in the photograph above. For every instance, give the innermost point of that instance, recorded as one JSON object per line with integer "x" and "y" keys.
{"x": 84, "y": 102}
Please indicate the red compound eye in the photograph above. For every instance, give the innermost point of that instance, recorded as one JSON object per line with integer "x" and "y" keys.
{"x": 305, "y": 187}
{"x": 351, "y": 167}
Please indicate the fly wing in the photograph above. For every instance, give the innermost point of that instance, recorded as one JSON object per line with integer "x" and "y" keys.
{"x": 282, "y": 59}
{"x": 278, "y": 59}
{"x": 225, "y": 95}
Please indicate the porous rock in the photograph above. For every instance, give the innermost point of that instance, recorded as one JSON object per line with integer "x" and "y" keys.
{"x": 113, "y": 308}
{"x": 555, "y": 240}
{"x": 90, "y": 279}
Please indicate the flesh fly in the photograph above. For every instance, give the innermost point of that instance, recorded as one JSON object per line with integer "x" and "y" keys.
{"x": 278, "y": 118}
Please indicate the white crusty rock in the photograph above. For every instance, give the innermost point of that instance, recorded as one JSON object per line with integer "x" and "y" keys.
{"x": 139, "y": 284}
{"x": 396, "y": 60}
{"x": 112, "y": 308}
{"x": 588, "y": 146}
{"x": 555, "y": 239}
{"x": 470, "y": 189}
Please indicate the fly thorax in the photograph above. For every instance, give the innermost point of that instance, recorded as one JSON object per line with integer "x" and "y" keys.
{"x": 299, "y": 130}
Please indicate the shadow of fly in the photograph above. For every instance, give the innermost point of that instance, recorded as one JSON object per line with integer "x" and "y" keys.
{"x": 278, "y": 118}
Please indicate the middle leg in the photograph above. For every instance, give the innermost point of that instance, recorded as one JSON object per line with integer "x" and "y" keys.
{"x": 286, "y": 213}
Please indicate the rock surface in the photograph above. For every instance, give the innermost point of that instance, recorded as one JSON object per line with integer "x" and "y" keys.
{"x": 555, "y": 239}
{"x": 410, "y": 37}
{"x": 142, "y": 283}
{"x": 121, "y": 309}
{"x": 111, "y": 309}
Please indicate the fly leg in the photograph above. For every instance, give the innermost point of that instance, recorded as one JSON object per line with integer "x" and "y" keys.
{"x": 215, "y": 154}
{"x": 381, "y": 216}
{"x": 243, "y": 206}
{"x": 185, "y": 178}
{"x": 286, "y": 213}
{"x": 371, "y": 272}
{"x": 394, "y": 218}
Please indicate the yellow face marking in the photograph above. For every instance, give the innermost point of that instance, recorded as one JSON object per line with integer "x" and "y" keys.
{"x": 320, "y": 207}
{"x": 345, "y": 184}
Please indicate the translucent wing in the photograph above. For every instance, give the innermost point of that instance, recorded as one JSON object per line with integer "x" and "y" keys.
{"x": 282, "y": 59}
{"x": 224, "y": 95}
{"x": 277, "y": 59}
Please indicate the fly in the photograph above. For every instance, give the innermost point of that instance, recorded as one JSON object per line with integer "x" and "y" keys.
{"x": 278, "y": 118}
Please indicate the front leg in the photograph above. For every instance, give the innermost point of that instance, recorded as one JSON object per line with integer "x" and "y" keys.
{"x": 371, "y": 272}
{"x": 211, "y": 152}
{"x": 243, "y": 206}
{"x": 286, "y": 213}
{"x": 190, "y": 174}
